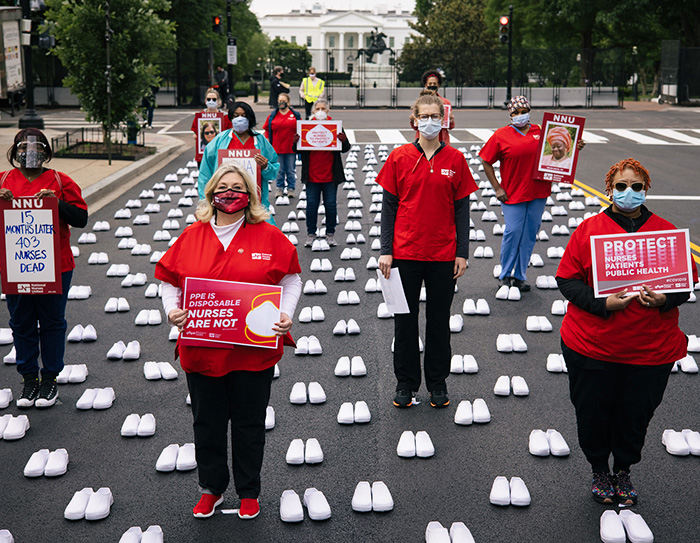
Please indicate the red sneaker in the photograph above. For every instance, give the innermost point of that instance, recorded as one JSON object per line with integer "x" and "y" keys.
{"x": 207, "y": 505}
{"x": 250, "y": 508}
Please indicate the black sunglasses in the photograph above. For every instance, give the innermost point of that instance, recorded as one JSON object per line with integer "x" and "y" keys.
{"x": 209, "y": 132}
{"x": 636, "y": 187}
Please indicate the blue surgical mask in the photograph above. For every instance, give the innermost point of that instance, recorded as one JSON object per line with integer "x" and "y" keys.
{"x": 521, "y": 120}
{"x": 628, "y": 200}
{"x": 240, "y": 124}
{"x": 212, "y": 104}
{"x": 429, "y": 128}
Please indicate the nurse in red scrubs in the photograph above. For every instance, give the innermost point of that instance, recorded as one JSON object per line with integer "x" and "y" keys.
{"x": 425, "y": 234}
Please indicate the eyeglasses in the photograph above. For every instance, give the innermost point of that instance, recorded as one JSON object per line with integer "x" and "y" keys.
{"x": 434, "y": 117}
{"x": 636, "y": 187}
{"x": 209, "y": 133}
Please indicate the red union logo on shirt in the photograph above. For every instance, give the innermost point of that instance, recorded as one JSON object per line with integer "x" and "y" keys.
{"x": 448, "y": 173}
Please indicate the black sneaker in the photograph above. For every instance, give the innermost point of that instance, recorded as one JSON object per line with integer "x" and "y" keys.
{"x": 522, "y": 285}
{"x": 507, "y": 281}
{"x": 438, "y": 398}
{"x": 403, "y": 398}
{"x": 30, "y": 392}
{"x": 625, "y": 492}
{"x": 602, "y": 488}
{"x": 48, "y": 392}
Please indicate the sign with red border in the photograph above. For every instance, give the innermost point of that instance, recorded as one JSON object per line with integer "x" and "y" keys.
{"x": 659, "y": 259}
{"x": 245, "y": 158}
{"x": 446, "y": 118}
{"x": 208, "y": 125}
{"x": 226, "y": 313}
{"x": 557, "y": 152}
{"x": 319, "y": 135}
{"x": 31, "y": 246}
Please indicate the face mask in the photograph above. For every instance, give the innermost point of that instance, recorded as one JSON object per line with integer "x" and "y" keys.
{"x": 282, "y": 105}
{"x": 30, "y": 156}
{"x": 230, "y": 201}
{"x": 628, "y": 200}
{"x": 240, "y": 124}
{"x": 432, "y": 87}
{"x": 520, "y": 120}
{"x": 321, "y": 115}
{"x": 212, "y": 104}
{"x": 312, "y": 76}
{"x": 429, "y": 128}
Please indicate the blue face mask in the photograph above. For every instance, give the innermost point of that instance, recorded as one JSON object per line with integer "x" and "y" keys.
{"x": 628, "y": 200}
{"x": 429, "y": 128}
{"x": 240, "y": 124}
{"x": 520, "y": 120}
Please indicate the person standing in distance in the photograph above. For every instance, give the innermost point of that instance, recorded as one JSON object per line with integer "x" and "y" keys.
{"x": 425, "y": 234}
{"x": 277, "y": 86}
{"x": 312, "y": 88}
{"x": 280, "y": 128}
{"x": 432, "y": 81}
{"x": 221, "y": 78}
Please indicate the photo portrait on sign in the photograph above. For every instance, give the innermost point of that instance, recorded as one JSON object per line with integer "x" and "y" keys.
{"x": 558, "y": 149}
{"x": 208, "y": 130}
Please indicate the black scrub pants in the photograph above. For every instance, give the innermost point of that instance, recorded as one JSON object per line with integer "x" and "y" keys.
{"x": 240, "y": 397}
{"x": 307, "y": 108}
{"x": 439, "y": 286}
{"x": 614, "y": 404}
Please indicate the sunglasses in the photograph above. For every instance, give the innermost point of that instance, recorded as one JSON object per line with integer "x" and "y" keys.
{"x": 636, "y": 187}
{"x": 209, "y": 133}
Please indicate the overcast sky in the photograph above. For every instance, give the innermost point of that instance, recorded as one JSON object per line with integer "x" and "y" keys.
{"x": 275, "y": 7}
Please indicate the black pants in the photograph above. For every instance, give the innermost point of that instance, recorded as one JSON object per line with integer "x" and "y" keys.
{"x": 439, "y": 286}
{"x": 614, "y": 404}
{"x": 242, "y": 398}
{"x": 307, "y": 108}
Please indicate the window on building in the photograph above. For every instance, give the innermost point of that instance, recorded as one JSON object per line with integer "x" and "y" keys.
{"x": 308, "y": 41}
{"x": 351, "y": 42}
{"x": 407, "y": 39}
{"x": 332, "y": 64}
{"x": 294, "y": 39}
{"x": 331, "y": 42}
{"x": 391, "y": 42}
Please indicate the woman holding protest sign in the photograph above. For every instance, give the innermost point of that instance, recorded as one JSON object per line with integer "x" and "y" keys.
{"x": 280, "y": 128}
{"x": 432, "y": 81}
{"x": 620, "y": 349}
{"x": 232, "y": 242}
{"x": 208, "y": 123}
{"x": 38, "y": 322}
{"x": 241, "y": 136}
{"x": 522, "y": 198}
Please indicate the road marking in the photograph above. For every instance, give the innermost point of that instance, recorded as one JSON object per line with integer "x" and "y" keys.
{"x": 671, "y": 197}
{"x": 675, "y": 135}
{"x": 636, "y": 136}
{"x": 590, "y": 137}
{"x": 351, "y": 136}
{"x": 484, "y": 134}
{"x": 391, "y": 136}
{"x": 175, "y": 132}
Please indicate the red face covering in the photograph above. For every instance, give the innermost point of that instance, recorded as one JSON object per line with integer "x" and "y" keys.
{"x": 230, "y": 201}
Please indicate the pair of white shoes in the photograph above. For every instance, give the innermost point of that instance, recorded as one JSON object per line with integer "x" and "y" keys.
{"x": 483, "y": 252}
{"x": 98, "y": 258}
{"x": 372, "y": 285}
{"x": 352, "y": 239}
{"x": 513, "y": 493}
{"x": 148, "y": 317}
{"x": 555, "y": 252}
{"x": 320, "y": 245}
{"x": 463, "y": 364}
{"x": 560, "y": 230}
{"x": 315, "y": 501}
{"x": 96, "y": 398}
{"x": 122, "y": 214}
{"x": 613, "y": 527}
{"x": 136, "y": 425}
{"x": 153, "y": 208}
{"x": 298, "y": 394}
{"x": 511, "y": 294}
{"x": 456, "y": 323}
{"x": 693, "y": 344}
{"x": 467, "y": 413}
{"x": 368, "y": 498}
{"x": 141, "y": 220}
{"x": 350, "y": 327}
{"x": 383, "y": 311}
{"x": 120, "y": 351}
{"x": 80, "y": 333}
{"x": 488, "y": 216}
{"x": 50, "y": 464}
{"x": 458, "y": 533}
{"x": 5, "y": 397}
{"x": 118, "y": 270}
{"x": 311, "y": 287}
{"x": 115, "y": 305}
{"x": 536, "y": 260}
{"x": 349, "y": 414}
{"x": 72, "y": 373}
{"x": 556, "y": 363}
{"x": 348, "y": 297}
{"x": 153, "y": 534}
{"x": 308, "y": 345}
{"x": 159, "y": 370}
{"x": 477, "y": 235}
{"x": 282, "y": 201}
{"x": 79, "y": 292}
{"x": 101, "y": 226}
{"x": 481, "y": 307}
{"x": 185, "y": 201}
{"x": 353, "y": 253}
{"x": 353, "y": 226}
{"x": 418, "y": 444}
{"x": 344, "y": 274}
{"x": 503, "y": 386}
{"x": 127, "y": 243}
{"x": 135, "y": 279}
{"x": 90, "y": 505}
{"x": 347, "y": 366}
{"x": 546, "y": 282}
{"x": 559, "y": 307}
{"x": 87, "y": 237}
{"x": 298, "y": 453}
{"x": 161, "y": 235}
{"x": 176, "y": 457}
{"x": 312, "y": 314}
{"x": 544, "y": 444}
{"x": 141, "y": 249}
{"x": 681, "y": 443}
{"x": 13, "y": 428}
{"x": 290, "y": 227}
{"x": 133, "y": 204}
{"x": 321, "y": 264}
{"x": 687, "y": 364}
{"x": 511, "y": 343}
{"x": 152, "y": 291}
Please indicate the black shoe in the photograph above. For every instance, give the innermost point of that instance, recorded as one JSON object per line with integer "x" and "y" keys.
{"x": 30, "y": 392}
{"x": 48, "y": 392}
{"x": 403, "y": 398}
{"x": 438, "y": 398}
{"x": 602, "y": 488}
{"x": 507, "y": 281}
{"x": 625, "y": 492}
{"x": 522, "y": 285}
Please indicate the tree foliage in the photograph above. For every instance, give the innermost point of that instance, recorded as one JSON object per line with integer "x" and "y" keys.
{"x": 294, "y": 58}
{"x": 138, "y": 34}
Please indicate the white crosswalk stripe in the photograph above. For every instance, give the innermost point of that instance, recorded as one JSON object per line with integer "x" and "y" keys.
{"x": 636, "y": 136}
{"x": 482, "y": 134}
{"x": 591, "y": 137}
{"x": 675, "y": 135}
{"x": 391, "y": 136}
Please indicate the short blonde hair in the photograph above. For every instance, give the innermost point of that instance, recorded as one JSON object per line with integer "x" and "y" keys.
{"x": 428, "y": 100}
{"x": 254, "y": 213}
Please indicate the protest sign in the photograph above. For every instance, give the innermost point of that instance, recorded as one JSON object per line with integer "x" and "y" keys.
{"x": 557, "y": 150}
{"x": 208, "y": 126}
{"x": 226, "y": 313}
{"x": 245, "y": 158}
{"x": 446, "y": 118}
{"x": 319, "y": 135}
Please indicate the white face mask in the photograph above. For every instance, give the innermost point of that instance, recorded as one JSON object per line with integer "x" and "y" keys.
{"x": 320, "y": 115}
{"x": 521, "y": 120}
{"x": 429, "y": 128}
{"x": 312, "y": 76}
{"x": 212, "y": 104}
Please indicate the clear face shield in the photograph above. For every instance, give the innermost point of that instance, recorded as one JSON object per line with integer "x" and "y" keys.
{"x": 30, "y": 153}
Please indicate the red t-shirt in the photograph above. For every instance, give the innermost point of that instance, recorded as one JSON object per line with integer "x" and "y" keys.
{"x": 67, "y": 190}
{"x": 321, "y": 165}
{"x": 425, "y": 219}
{"x": 518, "y": 154}
{"x": 233, "y": 264}
{"x": 236, "y": 143}
{"x": 284, "y": 126}
{"x": 223, "y": 124}
{"x": 634, "y": 335}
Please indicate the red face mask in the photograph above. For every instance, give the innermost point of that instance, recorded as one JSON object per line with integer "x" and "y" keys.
{"x": 230, "y": 201}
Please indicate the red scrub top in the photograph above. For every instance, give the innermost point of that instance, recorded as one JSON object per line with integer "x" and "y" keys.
{"x": 237, "y": 263}
{"x": 321, "y": 165}
{"x": 518, "y": 155}
{"x": 283, "y": 128}
{"x": 66, "y": 189}
{"x": 224, "y": 124}
{"x": 425, "y": 220}
{"x": 634, "y": 335}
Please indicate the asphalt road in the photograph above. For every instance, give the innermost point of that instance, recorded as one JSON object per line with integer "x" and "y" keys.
{"x": 452, "y": 486}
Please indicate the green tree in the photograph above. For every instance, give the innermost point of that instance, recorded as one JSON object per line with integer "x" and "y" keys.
{"x": 138, "y": 34}
{"x": 294, "y": 58}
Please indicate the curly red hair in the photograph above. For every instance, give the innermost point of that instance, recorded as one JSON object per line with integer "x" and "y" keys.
{"x": 633, "y": 165}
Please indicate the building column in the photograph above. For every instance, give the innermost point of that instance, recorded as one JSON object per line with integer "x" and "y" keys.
{"x": 323, "y": 67}
{"x": 341, "y": 52}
